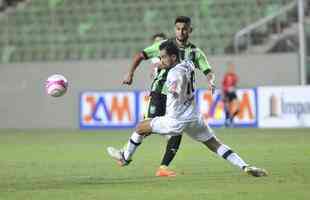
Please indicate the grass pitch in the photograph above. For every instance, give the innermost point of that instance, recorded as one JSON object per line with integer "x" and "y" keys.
{"x": 60, "y": 164}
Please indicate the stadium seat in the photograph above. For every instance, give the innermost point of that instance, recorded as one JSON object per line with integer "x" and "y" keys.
{"x": 57, "y": 30}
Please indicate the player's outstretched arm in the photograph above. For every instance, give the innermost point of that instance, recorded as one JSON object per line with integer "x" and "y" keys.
{"x": 205, "y": 67}
{"x": 136, "y": 62}
{"x": 147, "y": 53}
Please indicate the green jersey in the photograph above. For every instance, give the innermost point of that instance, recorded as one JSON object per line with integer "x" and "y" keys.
{"x": 189, "y": 52}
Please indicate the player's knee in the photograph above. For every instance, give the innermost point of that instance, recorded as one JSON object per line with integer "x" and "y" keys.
{"x": 213, "y": 144}
{"x": 140, "y": 130}
{"x": 143, "y": 128}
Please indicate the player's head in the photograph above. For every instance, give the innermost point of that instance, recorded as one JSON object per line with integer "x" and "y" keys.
{"x": 183, "y": 28}
{"x": 158, "y": 37}
{"x": 169, "y": 54}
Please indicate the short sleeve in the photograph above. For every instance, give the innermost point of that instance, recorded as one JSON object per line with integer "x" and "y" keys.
{"x": 152, "y": 51}
{"x": 201, "y": 61}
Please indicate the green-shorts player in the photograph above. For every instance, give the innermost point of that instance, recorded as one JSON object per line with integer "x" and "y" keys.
{"x": 157, "y": 104}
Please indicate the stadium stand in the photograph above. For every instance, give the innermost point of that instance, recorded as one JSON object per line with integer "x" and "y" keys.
{"x": 57, "y": 30}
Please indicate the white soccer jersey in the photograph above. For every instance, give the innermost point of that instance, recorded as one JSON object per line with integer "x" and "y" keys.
{"x": 181, "y": 115}
{"x": 180, "y": 92}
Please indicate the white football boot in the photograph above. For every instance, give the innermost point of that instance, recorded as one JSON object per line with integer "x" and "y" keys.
{"x": 255, "y": 171}
{"x": 118, "y": 155}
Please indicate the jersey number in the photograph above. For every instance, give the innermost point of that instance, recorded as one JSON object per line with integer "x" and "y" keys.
{"x": 190, "y": 84}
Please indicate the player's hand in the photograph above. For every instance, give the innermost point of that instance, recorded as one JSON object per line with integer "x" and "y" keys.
{"x": 211, "y": 82}
{"x": 128, "y": 79}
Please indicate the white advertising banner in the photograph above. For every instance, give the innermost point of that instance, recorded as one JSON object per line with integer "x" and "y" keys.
{"x": 211, "y": 106}
{"x": 281, "y": 107}
{"x": 108, "y": 109}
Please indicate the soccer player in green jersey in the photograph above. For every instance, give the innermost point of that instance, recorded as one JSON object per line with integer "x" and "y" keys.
{"x": 187, "y": 50}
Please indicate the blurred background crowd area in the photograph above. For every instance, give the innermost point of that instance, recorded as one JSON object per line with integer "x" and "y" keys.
{"x": 58, "y": 30}
{"x": 4, "y": 4}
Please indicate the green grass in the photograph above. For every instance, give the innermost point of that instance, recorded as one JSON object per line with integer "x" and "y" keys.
{"x": 58, "y": 164}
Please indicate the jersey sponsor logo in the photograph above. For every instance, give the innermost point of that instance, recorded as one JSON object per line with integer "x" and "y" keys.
{"x": 212, "y": 107}
{"x": 108, "y": 109}
{"x": 152, "y": 109}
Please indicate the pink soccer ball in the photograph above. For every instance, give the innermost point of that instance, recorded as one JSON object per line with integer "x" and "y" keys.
{"x": 56, "y": 85}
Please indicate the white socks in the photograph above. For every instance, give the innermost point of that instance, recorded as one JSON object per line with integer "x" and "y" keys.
{"x": 225, "y": 152}
{"x": 134, "y": 141}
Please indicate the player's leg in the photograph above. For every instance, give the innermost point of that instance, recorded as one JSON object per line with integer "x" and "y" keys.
{"x": 161, "y": 125}
{"x": 171, "y": 149}
{"x": 170, "y": 152}
{"x": 168, "y": 127}
{"x": 143, "y": 129}
{"x": 123, "y": 156}
{"x": 157, "y": 107}
{"x": 225, "y": 152}
{"x": 203, "y": 133}
{"x": 228, "y": 154}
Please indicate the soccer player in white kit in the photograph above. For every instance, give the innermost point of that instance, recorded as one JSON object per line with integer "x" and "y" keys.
{"x": 181, "y": 116}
